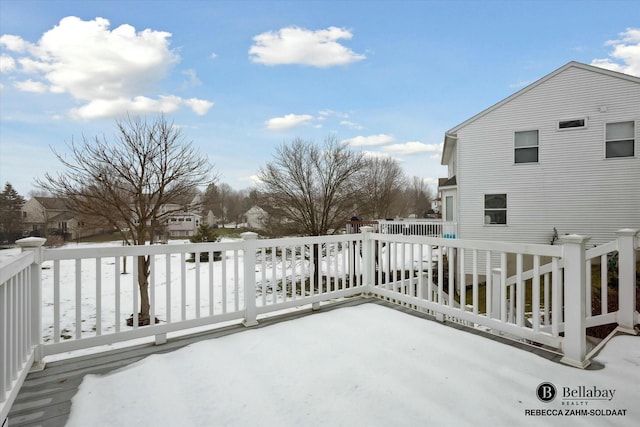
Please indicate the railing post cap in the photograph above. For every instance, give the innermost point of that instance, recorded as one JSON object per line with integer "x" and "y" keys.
{"x": 31, "y": 242}
{"x": 627, "y": 232}
{"x": 249, "y": 235}
{"x": 574, "y": 238}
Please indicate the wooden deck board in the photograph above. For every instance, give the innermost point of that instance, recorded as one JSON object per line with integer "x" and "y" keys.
{"x": 45, "y": 397}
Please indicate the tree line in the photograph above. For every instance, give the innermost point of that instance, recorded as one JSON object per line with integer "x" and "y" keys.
{"x": 130, "y": 180}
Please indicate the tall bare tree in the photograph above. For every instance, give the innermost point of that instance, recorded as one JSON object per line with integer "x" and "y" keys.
{"x": 381, "y": 184}
{"x": 127, "y": 181}
{"x": 417, "y": 197}
{"x": 309, "y": 187}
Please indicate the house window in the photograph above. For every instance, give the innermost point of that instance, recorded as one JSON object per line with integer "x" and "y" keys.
{"x": 619, "y": 140}
{"x": 526, "y": 146}
{"x": 572, "y": 124}
{"x": 495, "y": 208}
{"x": 448, "y": 208}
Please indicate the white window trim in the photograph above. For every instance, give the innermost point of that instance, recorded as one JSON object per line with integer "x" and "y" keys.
{"x": 528, "y": 146}
{"x": 635, "y": 139}
{"x": 484, "y": 210}
{"x": 586, "y": 124}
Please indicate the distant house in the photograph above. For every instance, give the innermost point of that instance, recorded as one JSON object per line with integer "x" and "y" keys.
{"x": 563, "y": 152}
{"x": 182, "y": 217}
{"x": 46, "y": 216}
{"x": 256, "y": 218}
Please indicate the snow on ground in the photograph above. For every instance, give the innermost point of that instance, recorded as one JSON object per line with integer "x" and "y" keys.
{"x": 358, "y": 366}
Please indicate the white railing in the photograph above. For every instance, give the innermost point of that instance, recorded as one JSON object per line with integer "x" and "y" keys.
{"x": 58, "y": 300}
{"x": 251, "y": 277}
{"x": 19, "y": 322}
{"x": 430, "y": 274}
{"x": 409, "y": 227}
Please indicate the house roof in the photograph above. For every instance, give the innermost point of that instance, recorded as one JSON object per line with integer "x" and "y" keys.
{"x": 63, "y": 216}
{"x": 52, "y": 203}
{"x": 450, "y": 136}
{"x": 450, "y": 182}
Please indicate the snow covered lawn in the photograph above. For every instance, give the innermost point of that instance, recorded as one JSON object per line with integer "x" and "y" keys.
{"x": 358, "y": 366}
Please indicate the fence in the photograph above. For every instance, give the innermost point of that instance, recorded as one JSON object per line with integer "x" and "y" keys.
{"x": 548, "y": 304}
{"x": 58, "y": 300}
{"x": 412, "y": 227}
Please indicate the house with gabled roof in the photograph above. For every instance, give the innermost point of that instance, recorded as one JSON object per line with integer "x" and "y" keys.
{"x": 46, "y": 216}
{"x": 561, "y": 155}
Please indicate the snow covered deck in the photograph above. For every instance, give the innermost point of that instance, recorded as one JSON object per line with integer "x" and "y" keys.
{"x": 390, "y": 366}
{"x": 54, "y": 301}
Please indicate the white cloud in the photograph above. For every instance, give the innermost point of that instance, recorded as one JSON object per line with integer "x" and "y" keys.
{"x": 192, "y": 79}
{"x": 376, "y": 154}
{"x": 288, "y": 121}
{"x": 213, "y": 55}
{"x": 138, "y": 105}
{"x": 368, "y": 141}
{"x": 412, "y": 147}
{"x": 199, "y": 106}
{"x": 31, "y": 86}
{"x": 625, "y": 56}
{"x": 107, "y": 70}
{"x": 295, "y": 45}
{"x": 7, "y": 64}
{"x": 14, "y": 43}
{"x": 351, "y": 125}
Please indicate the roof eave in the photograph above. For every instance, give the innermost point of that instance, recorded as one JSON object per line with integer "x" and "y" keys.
{"x": 447, "y": 148}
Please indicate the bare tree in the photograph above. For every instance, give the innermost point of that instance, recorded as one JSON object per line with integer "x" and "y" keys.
{"x": 311, "y": 188}
{"x": 130, "y": 181}
{"x": 381, "y": 184}
{"x": 417, "y": 197}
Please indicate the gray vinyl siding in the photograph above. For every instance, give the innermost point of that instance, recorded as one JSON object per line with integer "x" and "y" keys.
{"x": 572, "y": 187}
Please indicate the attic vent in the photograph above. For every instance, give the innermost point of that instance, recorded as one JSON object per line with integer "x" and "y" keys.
{"x": 570, "y": 124}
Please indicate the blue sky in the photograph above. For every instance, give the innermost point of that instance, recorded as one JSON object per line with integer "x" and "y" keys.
{"x": 243, "y": 77}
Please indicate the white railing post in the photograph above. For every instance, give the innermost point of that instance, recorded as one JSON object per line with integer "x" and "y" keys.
{"x": 368, "y": 263}
{"x": 250, "y": 310}
{"x": 496, "y": 292}
{"x": 575, "y": 334}
{"x": 34, "y": 244}
{"x": 626, "y": 280}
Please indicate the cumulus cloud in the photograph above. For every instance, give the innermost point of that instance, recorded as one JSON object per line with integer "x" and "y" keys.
{"x": 625, "y": 56}
{"x": 107, "y": 70}
{"x": 288, "y": 121}
{"x": 412, "y": 148}
{"x": 369, "y": 141}
{"x": 7, "y": 64}
{"x": 295, "y": 45}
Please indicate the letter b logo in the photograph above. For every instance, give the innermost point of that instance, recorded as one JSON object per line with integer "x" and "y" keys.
{"x": 546, "y": 392}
